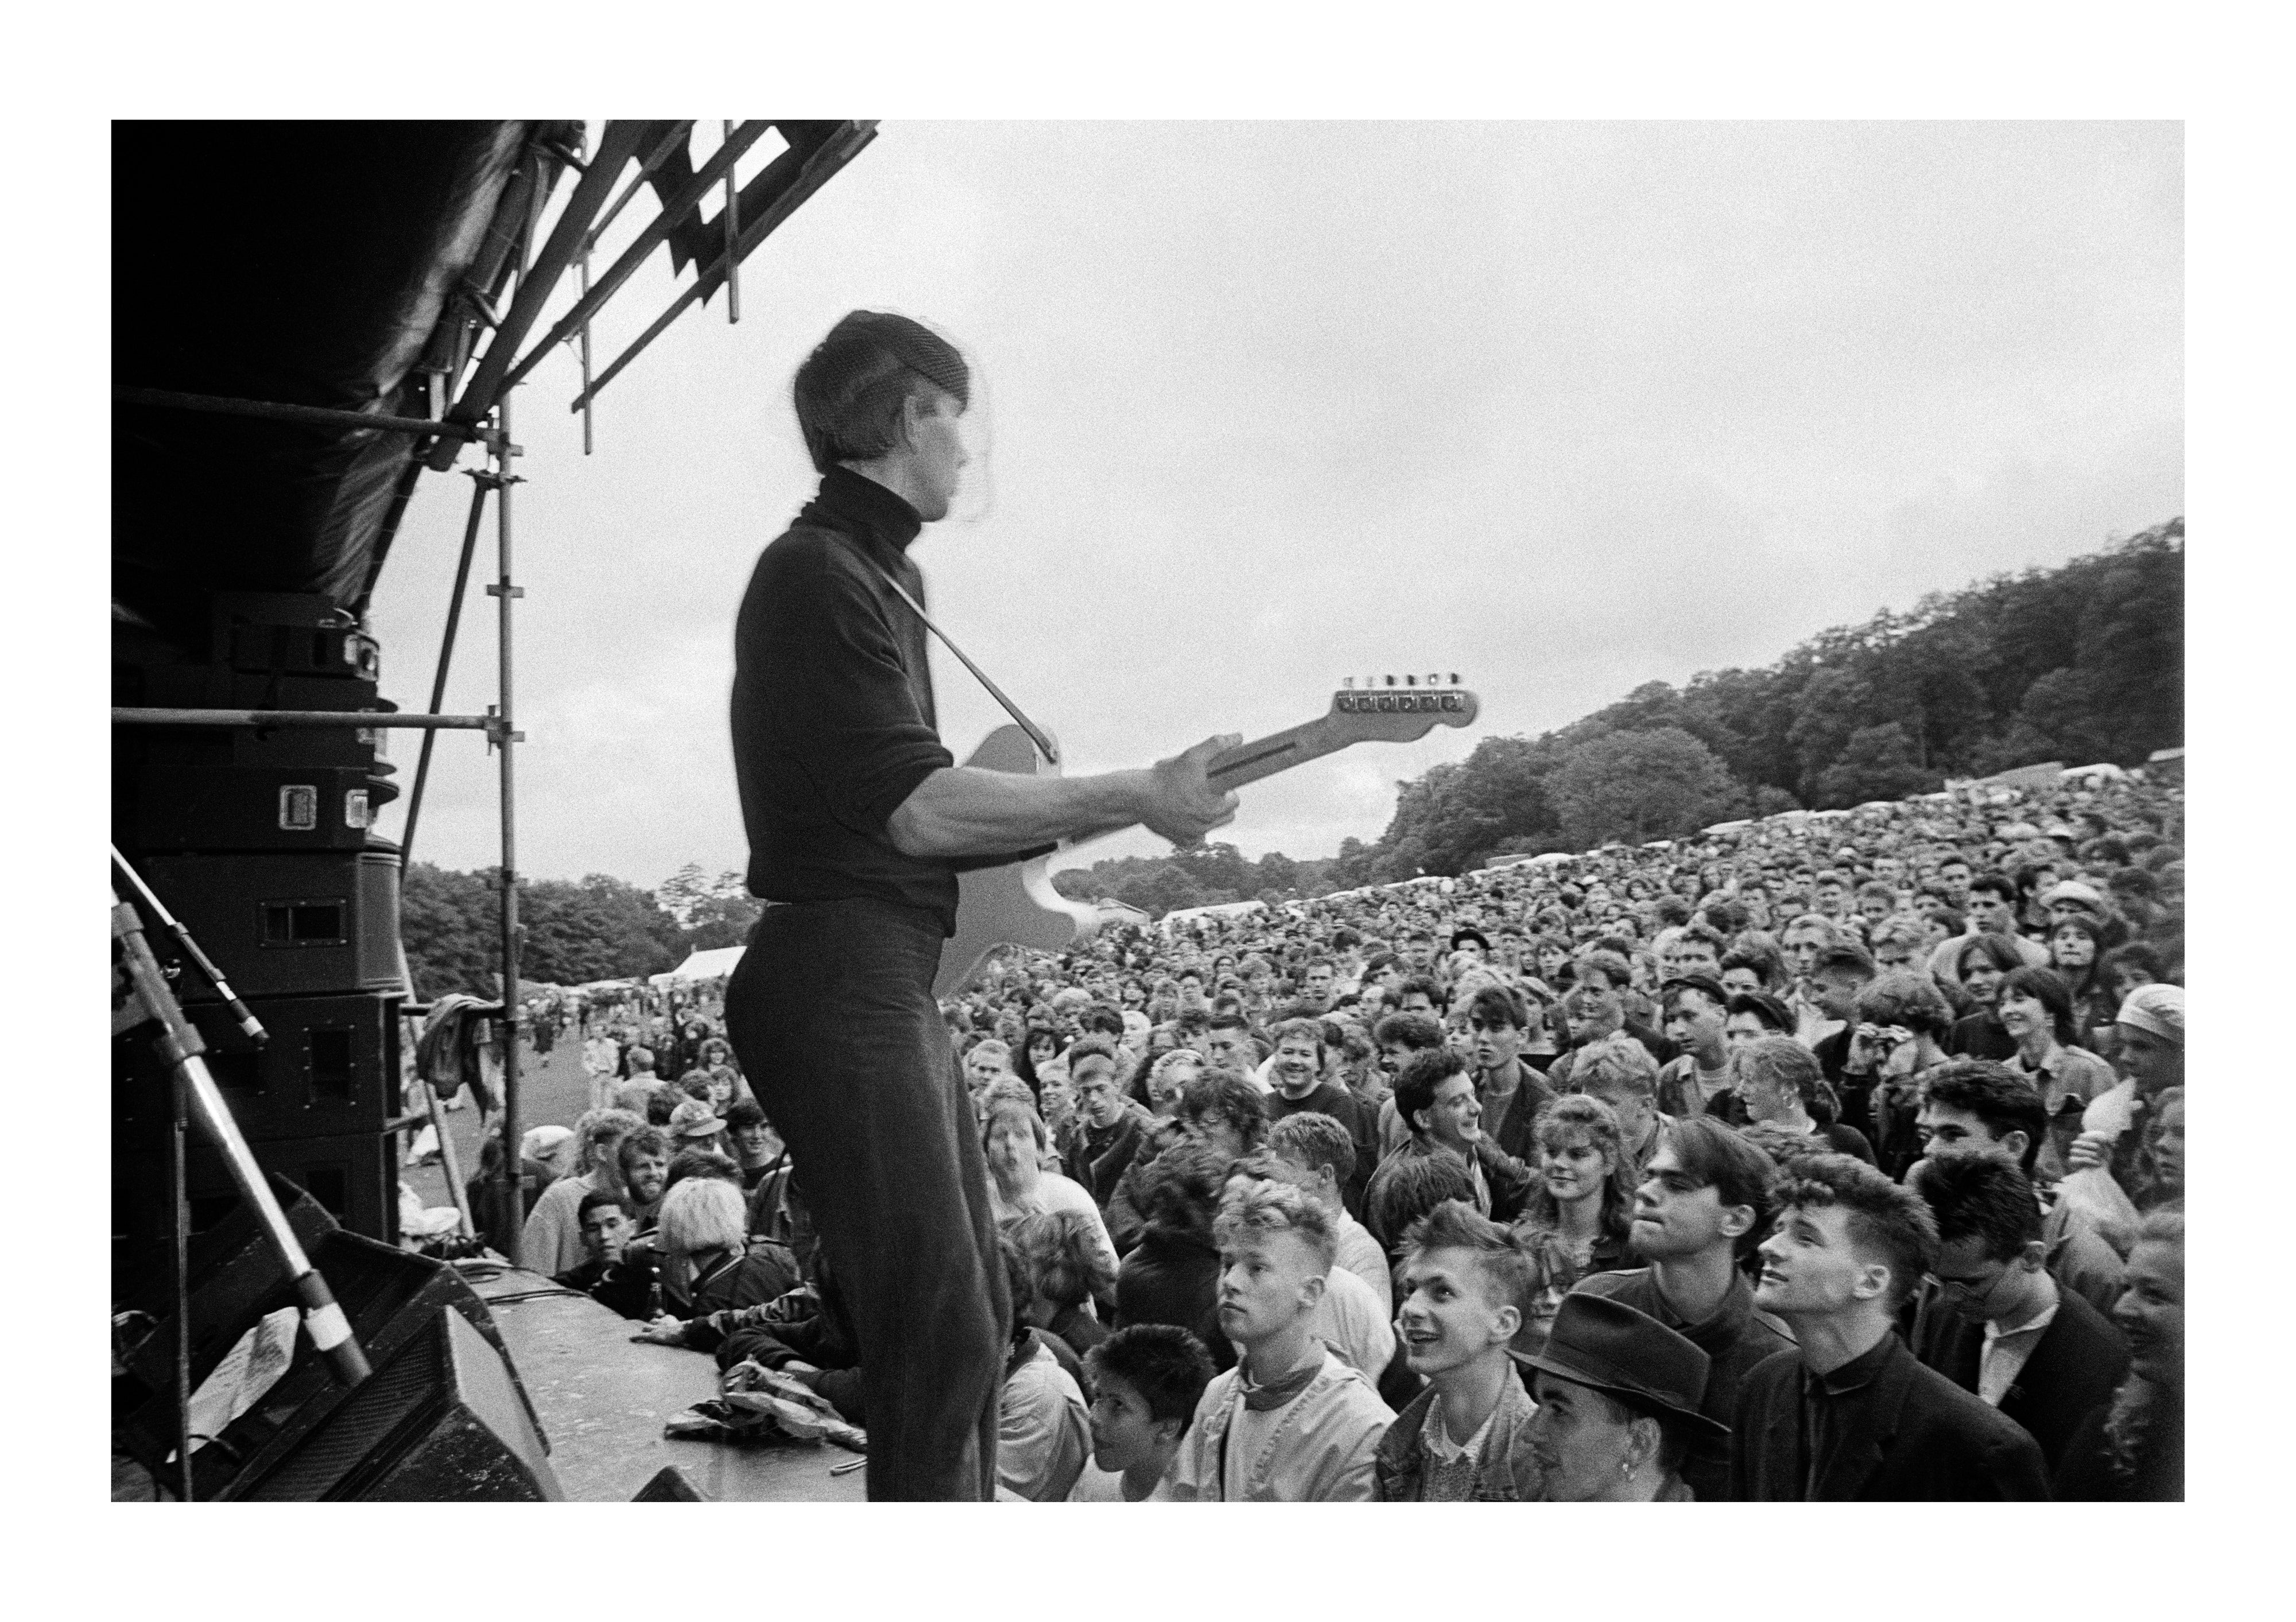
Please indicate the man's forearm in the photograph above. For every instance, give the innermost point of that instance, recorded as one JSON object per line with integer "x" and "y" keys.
{"x": 963, "y": 811}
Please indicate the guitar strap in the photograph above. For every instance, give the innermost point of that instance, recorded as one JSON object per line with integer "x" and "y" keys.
{"x": 1037, "y": 735}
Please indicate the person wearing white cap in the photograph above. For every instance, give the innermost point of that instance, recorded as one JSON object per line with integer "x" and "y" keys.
{"x": 2152, "y": 1031}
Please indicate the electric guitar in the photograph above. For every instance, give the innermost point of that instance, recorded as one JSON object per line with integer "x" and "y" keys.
{"x": 1014, "y": 903}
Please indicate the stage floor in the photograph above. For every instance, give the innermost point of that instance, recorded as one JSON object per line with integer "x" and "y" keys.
{"x": 603, "y": 1400}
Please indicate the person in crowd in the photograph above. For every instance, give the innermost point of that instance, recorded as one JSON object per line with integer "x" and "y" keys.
{"x": 2035, "y": 1007}
{"x": 1291, "y": 1423}
{"x": 1899, "y": 942}
{"x": 1171, "y": 1273}
{"x": 1113, "y": 1133}
{"x": 1513, "y": 1093}
{"x": 1297, "y": 1071}
{"x": 1220, "y": 1111}
{"x": 755, "y": 1146}
{"x": 1146, "y": 1381}
{"x": 1755, "y": 964}
{"x": 2132, "y": 1446}
{"x": 1043, "y": 1430}
{"x": 1835, "y": 979}
{"x": 2077, "y": 953}
{"x": 490, "y": 1211}
{"x": 1227, "y": 1041}
{"x": 607, "y": 1230}
{"x": 1622, "y": 1075}
{"x": 1850, "y": 1413}
{"x": 601, "y": 1062}
{"x": 1313, "y": 1154}
{"x": 693, "y": 1125}
{"x": 1596, "y": 1008}
{"x": 1617, "y": 1413}
{"x": 1977, "y": 1107}
{"x": 1072, "y": 1273}
{"x": 642, "y": 1160}
{"x": 1585, "y": 1194}
{"x": 1999, "y": 1325}
{"x": 708, "y": 1265}
{"x": 1696, "y": 1008}
{"x": 1903, "y": 1020}
{"x": 1467, "y": 1436}
{"x": 551, "y": 1243}
{"x": 2151, "y": 1039}
{"x": 1989, "y": 909}
{"x": 1397, "y": 1037}
{"x": 1436, "y": 1098}
{"x": 1014, "y": 1143}
{"x": 1982, "y": 961}
{"x": 1779, "y": 1080}
{"x": 1703, "y": 1205}
{"x": 1353, "y": 1315}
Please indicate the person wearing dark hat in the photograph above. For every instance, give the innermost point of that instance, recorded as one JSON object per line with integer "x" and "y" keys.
{"x": 1618, "y": 1395}
{"x": 1850, "y": 1415}
{"x": 1702, "y": 1206}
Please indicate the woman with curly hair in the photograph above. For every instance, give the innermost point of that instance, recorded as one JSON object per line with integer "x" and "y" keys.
{"x": 1069, "y": 1275}
{"x": 2132, "y": 1449}
{"x": 1584, "y": 1195}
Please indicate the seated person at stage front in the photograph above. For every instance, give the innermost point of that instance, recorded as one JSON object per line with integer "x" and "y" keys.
{"x": 1146, "y": 1381}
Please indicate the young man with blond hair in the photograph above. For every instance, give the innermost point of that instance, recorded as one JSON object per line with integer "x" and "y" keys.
{"x": 1291, "y": 1423}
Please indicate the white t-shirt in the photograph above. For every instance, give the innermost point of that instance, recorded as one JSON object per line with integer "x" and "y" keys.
{"x": 1354, "y": 1323}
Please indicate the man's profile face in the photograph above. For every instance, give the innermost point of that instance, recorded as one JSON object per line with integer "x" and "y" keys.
{"x": 1454, "y": 1117}
{"x": 1691, "y": 1022}
{"x": 2153, "y": 1062}
{"x": 1226, "y": 1044}
{"x": 606, "y": 1231}
{"x": 1674, "y": 1213}
{"x": 1267, "y": 1280}
{"x": 1124, "y": 1433}
{"x": 936, "y": 453}
{"x": 1809, "y": 1264}
{"x": 1835, "y": 994}
{"x": 983, "y": 1067}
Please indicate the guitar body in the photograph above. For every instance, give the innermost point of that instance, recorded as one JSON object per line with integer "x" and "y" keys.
{"x": 1014, "y": 905}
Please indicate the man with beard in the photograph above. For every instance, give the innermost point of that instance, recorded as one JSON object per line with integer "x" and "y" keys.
{"x": 1291, "y": 1423}
{"x": 1701, "y": 1207}
{"x": 1850, "y": 1413}
{"x": 1467, "y": 1436}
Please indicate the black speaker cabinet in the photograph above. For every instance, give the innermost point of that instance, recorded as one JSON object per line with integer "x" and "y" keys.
{"x": 257, "y": 808}
{"x": 388, "y": 1295}
{"x": 440, "y": 1420}
{"x": 287, "y": 924}
{"x": 331, "y": 1067}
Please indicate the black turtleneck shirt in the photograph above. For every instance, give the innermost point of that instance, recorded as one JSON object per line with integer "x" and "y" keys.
{"x": 832, "y": 706}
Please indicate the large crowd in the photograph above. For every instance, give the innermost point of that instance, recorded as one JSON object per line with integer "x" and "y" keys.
{"x": 1821, "y": 1157}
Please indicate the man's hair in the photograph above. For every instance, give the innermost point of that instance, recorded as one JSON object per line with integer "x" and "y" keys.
{"x": 1843, "y": 958}
{"x": 1191, "y": 1022}
{"x": 1415, "y": 1185}
{"x": 1493, "y": 1004}
{"x": 1180, "y": 1188}
{"x": 1762, "y": 957}
{"x": 1229, "y": 1019}
{"x": 648, "y": 1139}
{"x": 744, "y": 1112}
{"x": 1774, "y": 1014}
{"x": 1617, "y": 973}
{"x": 1998, "y": 884}
{"x": 1886, "y": 1218}
{"x": 641, "y": 1058}
{"x": 850, "y": 390}
{"x": 701, "y": 1163}
{"x": 594, "y": 1130}
{"x": 703, "y": 1214}
{"x": 1164, "y": 1363}
{"x": 1704, "y": 985}
{"x": 1422, "y": 1074}
{"x": 1312, "y": 1029}
{"x": 1978, "y": 1197}
{"x": 1617, "y": 1066}
{"x": 1705, "y": 933}
{"x": 1313, "y": 1139}
{"x": 1104, "y": 1018}
{"x": 1812, "y": 921}
{"x": 1224, "y": 1095}
{"x": 2003, "y": 1098}
{"x": 1415, "y": 1031}
{"x": 1907, "y": 997}
{"x": 1508, "y": 1274}
{"x": 1259, "y": 1207}
{"x": 1786, "y": 1063}
{"x": 1064, "y": 1255}
{"x": 1998, "y": 950}
{"x": 1878, "y": 889}
{"x": 1713, "y": 1156}
{"x": 598, "y": 1200}
{"x": 1089, "y": 1051}
{"x": 1426, "y": 986}
{"x": 1902, "y": 931}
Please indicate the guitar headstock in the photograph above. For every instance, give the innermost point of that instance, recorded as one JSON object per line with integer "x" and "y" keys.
{"x": 1399, "y": 708}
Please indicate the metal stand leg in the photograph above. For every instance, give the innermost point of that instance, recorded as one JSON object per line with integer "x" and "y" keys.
{"x": 182, "y": 1247}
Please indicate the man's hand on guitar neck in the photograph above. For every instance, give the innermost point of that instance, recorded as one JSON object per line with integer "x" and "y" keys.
{"x": 1183, "y": 804}
{"x": 963, "y": 811}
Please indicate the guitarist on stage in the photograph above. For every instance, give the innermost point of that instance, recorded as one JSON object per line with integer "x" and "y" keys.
{"x": 858, "y": 821}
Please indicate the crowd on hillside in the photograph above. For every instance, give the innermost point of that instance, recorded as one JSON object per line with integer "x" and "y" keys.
{"x": 1819, "y": 1158}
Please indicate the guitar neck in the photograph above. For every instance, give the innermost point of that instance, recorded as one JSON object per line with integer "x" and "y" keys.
{"x": 1251, "y": 762}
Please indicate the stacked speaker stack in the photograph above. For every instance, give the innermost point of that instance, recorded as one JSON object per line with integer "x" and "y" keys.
{"x": 261, "y": 842}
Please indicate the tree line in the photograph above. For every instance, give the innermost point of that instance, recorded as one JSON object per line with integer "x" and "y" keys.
{"x": 2083, "y": 662}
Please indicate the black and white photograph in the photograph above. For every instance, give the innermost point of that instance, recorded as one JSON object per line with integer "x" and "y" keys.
{"x": 1179, "y": 801}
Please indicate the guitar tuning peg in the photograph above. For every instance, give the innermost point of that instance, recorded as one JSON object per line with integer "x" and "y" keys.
{"x": 1411, "y": 681}
{"x": 1348, "y": 683}
{"x": 1455, "y": 678}
{"x": 1391, "y": 681}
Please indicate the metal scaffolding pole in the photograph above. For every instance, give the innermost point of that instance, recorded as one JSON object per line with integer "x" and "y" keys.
{"x": 480, "y": 481}
{"x": 504, "y": 593}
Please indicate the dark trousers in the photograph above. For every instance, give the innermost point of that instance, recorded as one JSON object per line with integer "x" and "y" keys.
{"x": 832, "y": 1016}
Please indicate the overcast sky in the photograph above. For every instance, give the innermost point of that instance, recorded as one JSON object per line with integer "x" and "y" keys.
{"x": 1564, "y": 407}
